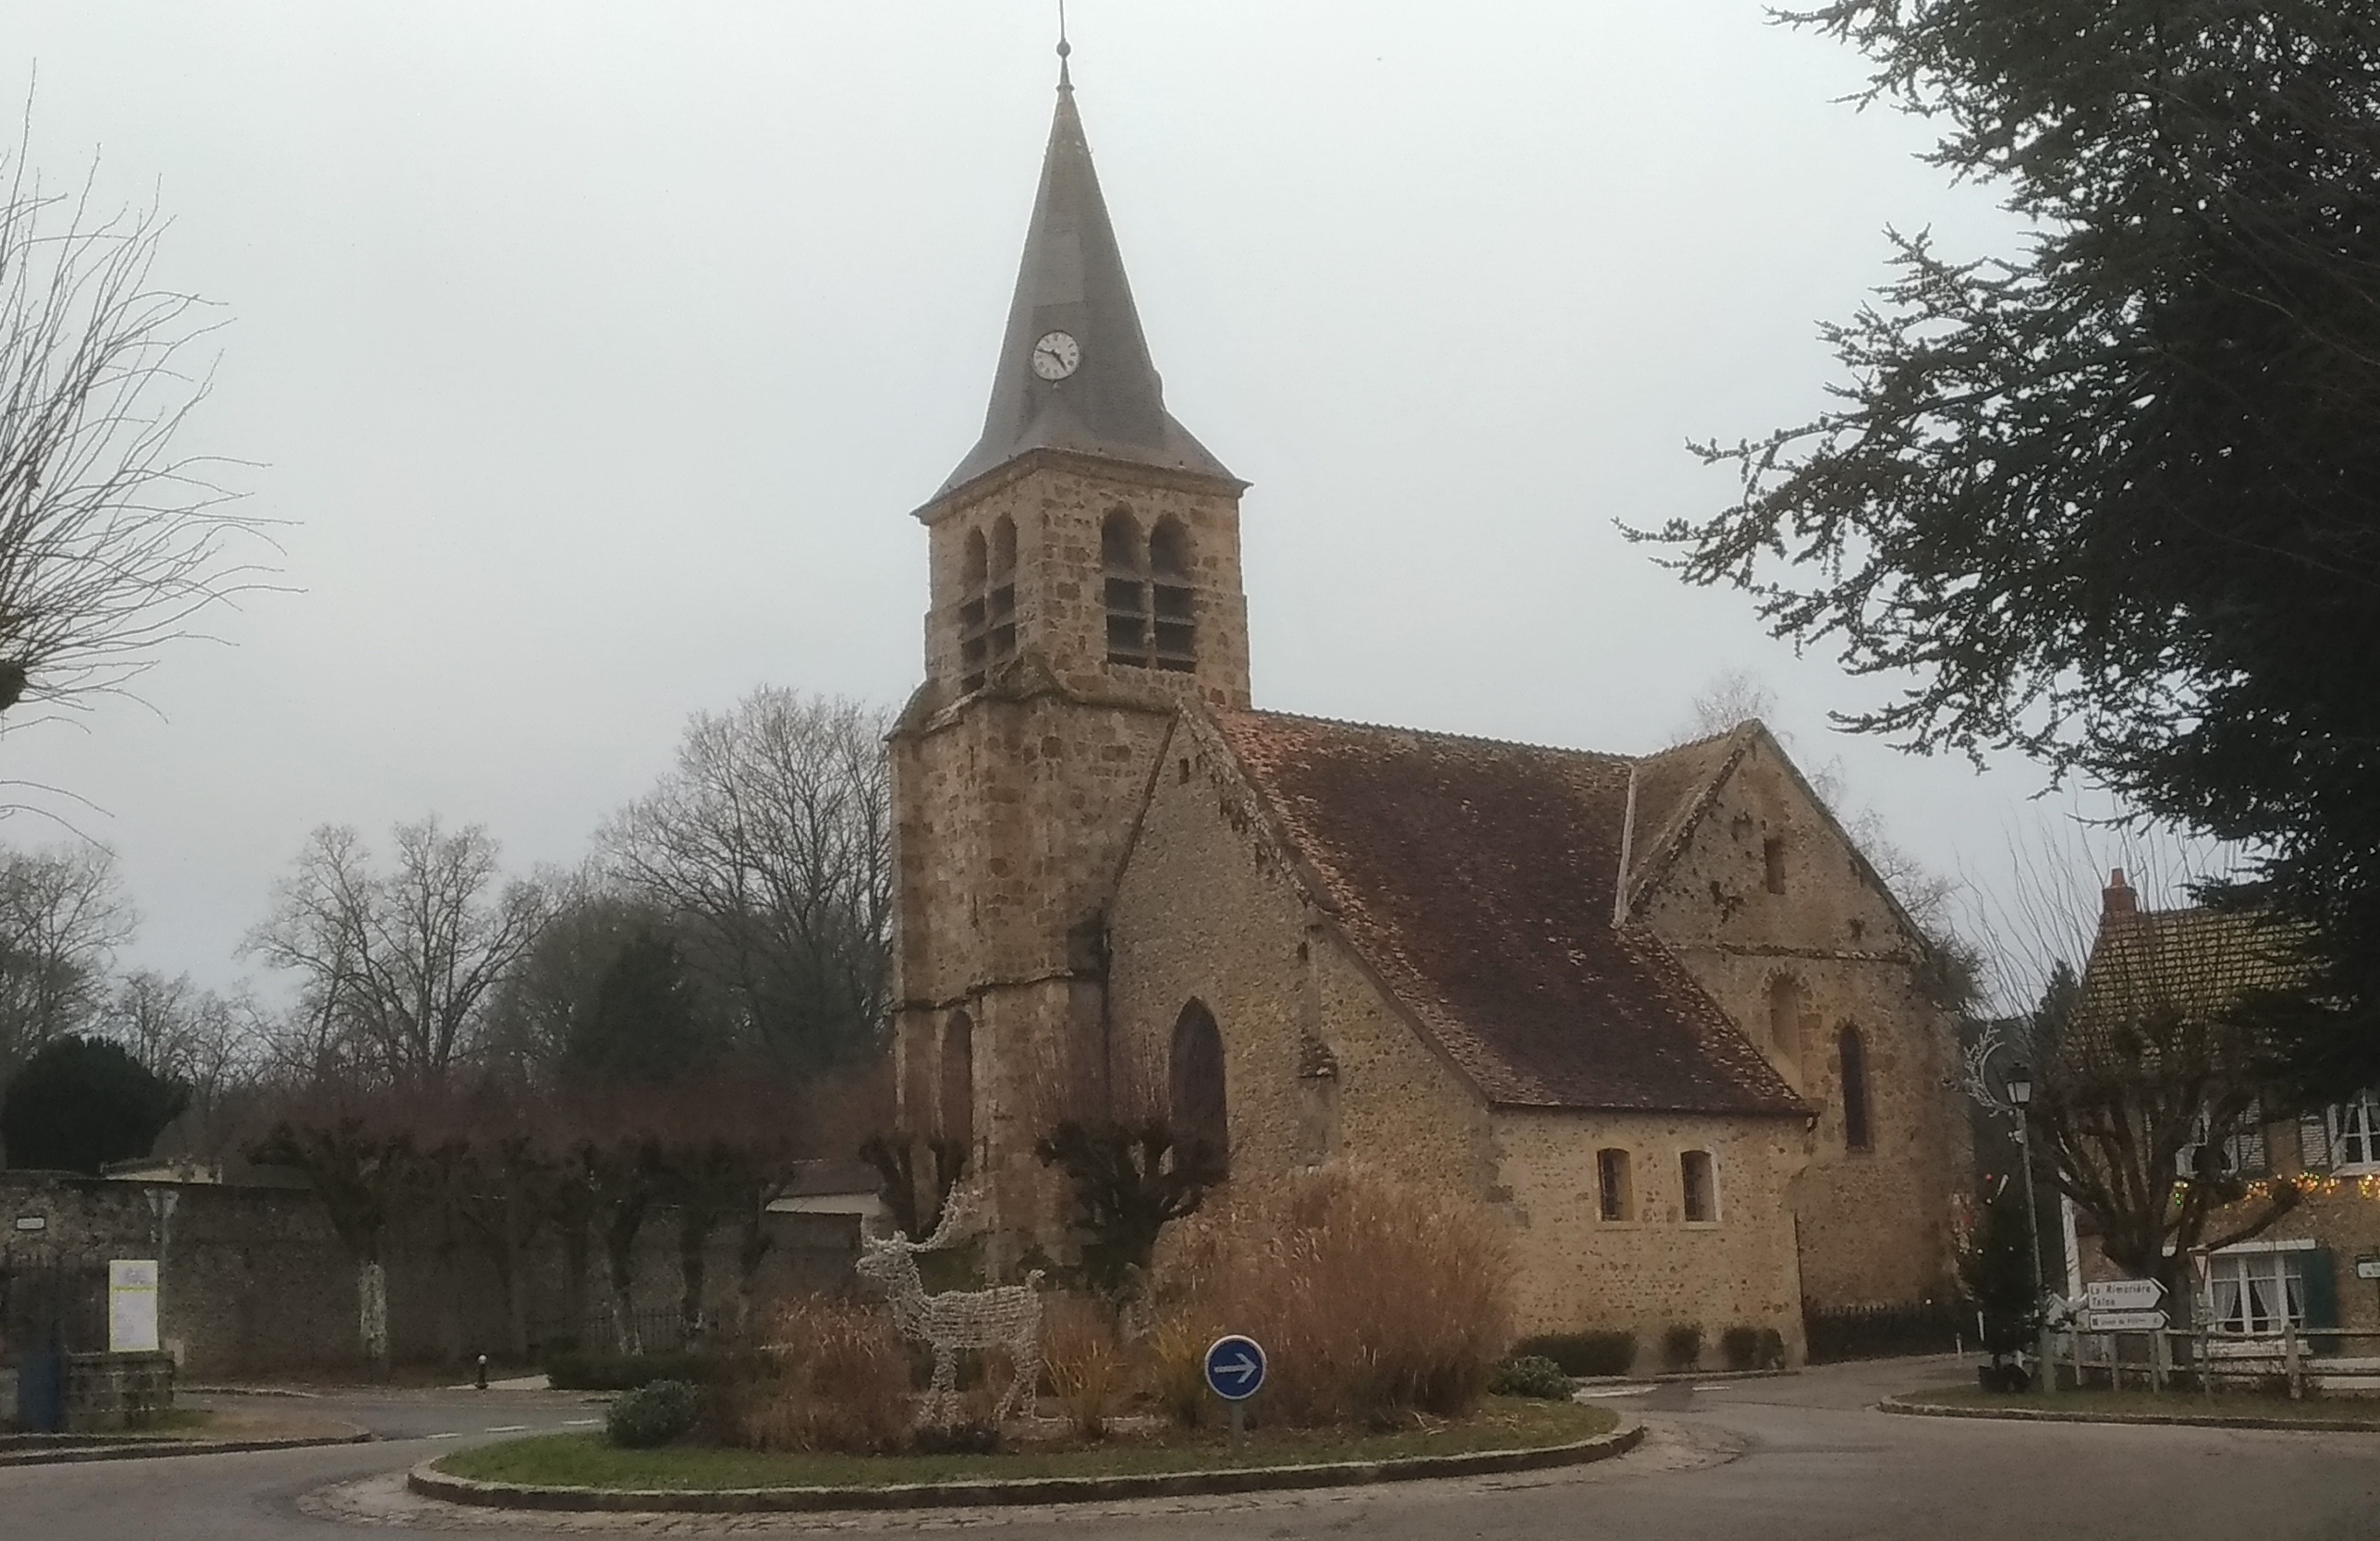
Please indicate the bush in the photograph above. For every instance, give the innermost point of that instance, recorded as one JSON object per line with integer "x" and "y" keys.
{"x": 833, "y": 1376}
{"x": 1880, "y": 1331}
{"x": 1583, "y": 1353}
{"x": 1740, "y": 1346}
{"x": 1176, "y": 1368}
{"x": 972, "y": 1437}
{"x": 1083, "y": 1356}
{"x": 626, "y": 1372}
{"x": 654, "y": 1413}
{"x": 1529, "y": 1376}
{"x": 1681, "y": 1345}
{"x": 1373, "y": 1300}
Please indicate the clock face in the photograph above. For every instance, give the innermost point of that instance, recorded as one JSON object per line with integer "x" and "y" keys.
{"x": 1056, "y": 356}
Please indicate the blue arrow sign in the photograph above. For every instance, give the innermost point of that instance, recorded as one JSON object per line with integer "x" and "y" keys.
{"x": 1235, "y": 1368}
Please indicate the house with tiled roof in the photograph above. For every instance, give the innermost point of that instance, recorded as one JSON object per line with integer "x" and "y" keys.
{"x": 1655, "y": 1012}
{"x": 2156, "y": 976}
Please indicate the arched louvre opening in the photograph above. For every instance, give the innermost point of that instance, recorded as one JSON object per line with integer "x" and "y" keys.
{"x": 973, "y": 644}
{"x": 1125, "y": 564}
{"x": 1000, "y": 601}
{"x": 1852, "y": 1057}
{"x": 1174, "y": 634}
{"x": 1194, "y": 1083}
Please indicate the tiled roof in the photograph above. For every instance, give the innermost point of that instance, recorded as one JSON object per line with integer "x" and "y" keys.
{"x": 1476, "y": 879}
{"x": 2185, "y": 965}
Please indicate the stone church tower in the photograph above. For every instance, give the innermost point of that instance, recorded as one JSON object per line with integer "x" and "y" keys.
{"x": 1084, "y": 582}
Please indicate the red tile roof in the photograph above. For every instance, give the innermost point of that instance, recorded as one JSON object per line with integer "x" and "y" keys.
{"x": 1476, "y": 879}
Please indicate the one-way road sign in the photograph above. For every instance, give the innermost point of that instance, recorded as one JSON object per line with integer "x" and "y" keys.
{"x": 1235, "y": 1368}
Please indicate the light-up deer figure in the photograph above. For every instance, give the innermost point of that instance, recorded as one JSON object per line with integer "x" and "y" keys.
{"x": 1008, "y": 1317}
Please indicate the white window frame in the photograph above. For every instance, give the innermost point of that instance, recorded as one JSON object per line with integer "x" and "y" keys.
{"x": 2355, "y": 1126}
{"x": 2251, "y": 1290}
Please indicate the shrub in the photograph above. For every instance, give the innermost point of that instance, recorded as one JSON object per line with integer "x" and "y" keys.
{"x": 1176, "y": 1368}
{"x": 1681, "y": 1345}
{"x": 833, "y": 1376}
{"x": 1740, "y": 1346}
{"x": 654, "y": 1413}
{"x": 1373, "y": 1300}
{"x": 1583, "y": 1353}
{"x": 1529, "y": 1376}
{"x": 1879, "y": 1331}
{"x": 1084, "y": 1355}
{"x": 969, "y": 1438}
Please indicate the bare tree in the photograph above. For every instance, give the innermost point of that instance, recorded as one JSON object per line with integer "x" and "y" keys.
{"x": 2153, "y": 1079}
{"x": 62, "y": 915}
{"x": 210, "y": 1042}
{"x": 109, "y": 543}
{"x": 771, "y": 842}
{"x": 1732, "y": 697}
{"x": 397, "y": 968}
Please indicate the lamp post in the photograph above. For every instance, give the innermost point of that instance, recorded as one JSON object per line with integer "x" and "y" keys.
{"x": 2021, "y": 1098}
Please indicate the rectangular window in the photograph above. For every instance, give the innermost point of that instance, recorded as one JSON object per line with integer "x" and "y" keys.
{"x": 2253, "y": 1293}
{"x": 2239, "y": 1152}
{"x": 1772, "y": 857}
{"x": 2355, "y": 1131}
{"x": 1615, "y": 1198}
{"x": 1696, "y": 1180}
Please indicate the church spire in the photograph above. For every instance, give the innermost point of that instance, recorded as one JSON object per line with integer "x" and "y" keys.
{"x": 1074, "y": 370}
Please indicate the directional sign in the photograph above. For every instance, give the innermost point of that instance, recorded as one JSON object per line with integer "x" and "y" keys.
{"x": 2124, "y": 1321}
{"x": 2124, "y": 1294}
{"x": 2367, "y": 1266}
{"x": 1235, "y": 1368}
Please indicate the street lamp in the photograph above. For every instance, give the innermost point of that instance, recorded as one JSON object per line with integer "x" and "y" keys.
{"x": 2021, "y": 1098}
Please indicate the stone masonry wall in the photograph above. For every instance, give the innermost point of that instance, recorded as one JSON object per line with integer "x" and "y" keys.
{"x": 1579, "y": 1272}
{"x": 1875, "y": 1223}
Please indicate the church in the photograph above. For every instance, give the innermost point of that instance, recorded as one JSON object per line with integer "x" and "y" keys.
{"x": 1656, "y": 1013}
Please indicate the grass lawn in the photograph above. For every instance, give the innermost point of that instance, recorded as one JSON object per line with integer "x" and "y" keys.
{"x": 2170, "y": 1405}
{"x": 585, "y": 1460}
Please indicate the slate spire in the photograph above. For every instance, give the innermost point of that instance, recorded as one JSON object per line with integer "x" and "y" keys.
{"x": 1106, "y": 400}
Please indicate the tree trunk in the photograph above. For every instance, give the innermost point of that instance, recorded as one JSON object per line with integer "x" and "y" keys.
{"x": 371, "y": 1316}
{"x": 619, "y": 1256}
{"x": 694, "y": 1226}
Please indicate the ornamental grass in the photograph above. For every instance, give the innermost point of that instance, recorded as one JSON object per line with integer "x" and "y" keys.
{"x": 1375, "y": 1300}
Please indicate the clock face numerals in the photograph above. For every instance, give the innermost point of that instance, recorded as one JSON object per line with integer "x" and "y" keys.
{"x": 1056, "y": 356}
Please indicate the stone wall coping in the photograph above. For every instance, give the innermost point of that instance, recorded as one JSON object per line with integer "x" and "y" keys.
{"x": 426, "y": 1480}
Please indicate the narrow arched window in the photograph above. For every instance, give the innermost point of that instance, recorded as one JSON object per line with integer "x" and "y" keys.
{"x": 958, "y": 1090}
{"x": 1771, "y": 862}
{"x": 1852, "y": 1065}
{"x": 1000, "y": 599}
{"x": 1124, "y": 561}
{"x": 1194, "y": 1082}
{"x": 1784, "y": 1019}
{"x": 1175, "y": 632}
{"x": 1614, "y": 1187}
{"x": 1698, "y": 1187}
{"x": 974, "y": 578}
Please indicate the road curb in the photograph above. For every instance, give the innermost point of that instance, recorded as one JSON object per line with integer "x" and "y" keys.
{"x": 147, "y": 1448}
{"x": 2177, "y": 1420}
{"x": 429, "y": 1482}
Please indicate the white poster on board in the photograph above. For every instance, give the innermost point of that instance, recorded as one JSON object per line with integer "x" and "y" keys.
{"x": 132, "y": 1305}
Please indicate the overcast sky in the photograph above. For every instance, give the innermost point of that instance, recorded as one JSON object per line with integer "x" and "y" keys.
{"x": 595, "y": 354}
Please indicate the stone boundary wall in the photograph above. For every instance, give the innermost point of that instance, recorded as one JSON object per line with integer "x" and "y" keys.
{"x": 253, "y": 1280}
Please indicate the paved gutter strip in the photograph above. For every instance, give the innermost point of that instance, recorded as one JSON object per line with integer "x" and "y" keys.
{"x": 2178, "y": 1420}
{"x": 429, "y": 1482}
{"x": 149, "y": 1449}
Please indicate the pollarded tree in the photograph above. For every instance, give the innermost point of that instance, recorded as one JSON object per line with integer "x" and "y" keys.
{"x": 2114, "y": 499}
{"x": 81, "y": 1103}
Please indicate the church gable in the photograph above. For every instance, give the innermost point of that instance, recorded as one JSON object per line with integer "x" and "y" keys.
{"x": 1476, "y": 879}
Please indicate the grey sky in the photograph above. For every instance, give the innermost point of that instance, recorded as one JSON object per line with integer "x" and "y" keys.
{"x": 597, "y": 353}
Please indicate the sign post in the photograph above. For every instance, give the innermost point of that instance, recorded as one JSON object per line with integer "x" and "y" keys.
{"x": 1235, "y": 1371}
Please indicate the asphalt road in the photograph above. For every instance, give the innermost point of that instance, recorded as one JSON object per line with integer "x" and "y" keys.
{"x": 1782, "y": 1460}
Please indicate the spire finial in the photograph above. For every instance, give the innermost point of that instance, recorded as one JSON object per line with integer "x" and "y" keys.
{"x": 1064, "y": 48}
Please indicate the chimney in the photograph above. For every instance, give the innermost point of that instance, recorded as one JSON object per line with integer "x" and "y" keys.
{"x": 2118, "y": 898}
